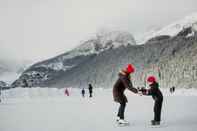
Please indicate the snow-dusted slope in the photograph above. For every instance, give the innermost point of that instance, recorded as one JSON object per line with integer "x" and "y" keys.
{"x": 172, "y": 29}
{"x": 117, "y": 38}
{"x": 94, "y": 45}
{"x": 101, "y": 70}
{"x": 48, "y": 70}
{"x": 103, "y": 41}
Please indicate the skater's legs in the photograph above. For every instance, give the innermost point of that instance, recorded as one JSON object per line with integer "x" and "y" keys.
{"x": 157, "y": 110}
{"x": 121, "y": 110}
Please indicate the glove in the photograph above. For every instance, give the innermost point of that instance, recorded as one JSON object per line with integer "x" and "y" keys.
{"x": 142, "y": 90}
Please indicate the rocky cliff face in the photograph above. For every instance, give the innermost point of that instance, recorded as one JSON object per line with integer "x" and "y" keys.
{"x": 172, "y": 61}
{"x": 178, "y": 65}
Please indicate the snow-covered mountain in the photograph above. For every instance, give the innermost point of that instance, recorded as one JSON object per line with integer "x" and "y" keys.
{"x": 172, "y": 58}
{"x": 101, "y": 42}
{"x": 173, "y": 29}
{"x": 94, "y": 45}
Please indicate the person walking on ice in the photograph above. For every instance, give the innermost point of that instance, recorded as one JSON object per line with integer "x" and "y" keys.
{"x": 66, "y": 92}
{"x": 120, "y": 85}
{"x": 157, "y": 95}
{"x": 90, "y": 88}
{"x": 83, "y": 92}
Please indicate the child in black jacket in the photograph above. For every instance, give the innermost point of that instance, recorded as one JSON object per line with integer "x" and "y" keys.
{"x": 156, "y": 94}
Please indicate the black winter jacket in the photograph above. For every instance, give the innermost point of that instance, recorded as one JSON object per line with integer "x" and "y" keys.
{"x": 121, "y": 84}
{"x": 155, "y": 92}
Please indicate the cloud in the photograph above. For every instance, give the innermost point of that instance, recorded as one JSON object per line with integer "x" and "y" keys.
{"x": 39, "y": 29}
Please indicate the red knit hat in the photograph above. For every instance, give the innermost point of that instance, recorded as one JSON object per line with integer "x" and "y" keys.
{"x": 130, "y": 68}
{"x": 151, "y": 79}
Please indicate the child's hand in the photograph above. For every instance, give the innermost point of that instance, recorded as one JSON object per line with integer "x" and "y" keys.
{"x": 142, "y": 90}
{"x": 139, "y": 91}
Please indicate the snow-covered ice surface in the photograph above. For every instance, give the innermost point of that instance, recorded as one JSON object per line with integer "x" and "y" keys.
{"x": 39, "y": 109}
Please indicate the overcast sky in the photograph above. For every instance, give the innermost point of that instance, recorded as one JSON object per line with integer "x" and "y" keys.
{"x": 40, "y": 29}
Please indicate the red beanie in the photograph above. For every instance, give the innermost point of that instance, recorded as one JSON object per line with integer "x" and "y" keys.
{"x": 151, "y": 79}
{"x": 130, "y": 68}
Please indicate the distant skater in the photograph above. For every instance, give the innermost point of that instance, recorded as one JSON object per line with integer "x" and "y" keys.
{"x": 83, "y": 92}
{"x": 90, "y": 90}
{"x": 172, "y": 89}
{"x": 66, "y": 92}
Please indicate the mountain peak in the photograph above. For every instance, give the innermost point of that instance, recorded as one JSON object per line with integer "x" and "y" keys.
{"x": 106, "y": 39}
{"x": 174, "y": 28}
{"x": 125, "y": 38}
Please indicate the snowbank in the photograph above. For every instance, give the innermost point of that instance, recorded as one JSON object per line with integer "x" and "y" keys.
{"x": 38, "y": 92}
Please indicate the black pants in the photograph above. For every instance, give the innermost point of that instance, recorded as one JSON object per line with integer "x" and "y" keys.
{"x": 90, "y": 92}
{"x": 157, "y": 110}
{"x": 121, "y": 110}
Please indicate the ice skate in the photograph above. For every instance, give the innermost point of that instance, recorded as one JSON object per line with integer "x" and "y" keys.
{"x": 117, "y": 119}
{"x": 155, "y": 123}
{"x": 122, "y": 122}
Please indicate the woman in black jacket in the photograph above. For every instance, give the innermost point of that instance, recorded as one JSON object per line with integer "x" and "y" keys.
{"x": 120, "y": 86}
